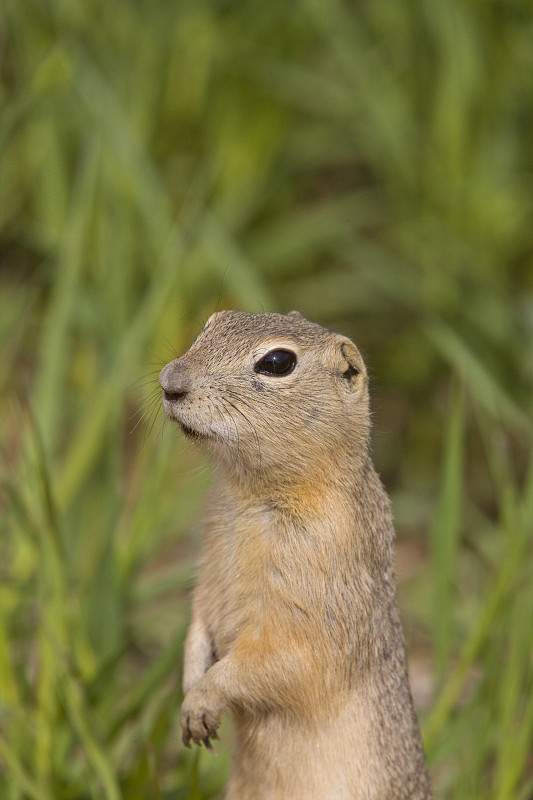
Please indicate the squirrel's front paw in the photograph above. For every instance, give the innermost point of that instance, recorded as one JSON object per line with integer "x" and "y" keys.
{"x": 200, "y": 717}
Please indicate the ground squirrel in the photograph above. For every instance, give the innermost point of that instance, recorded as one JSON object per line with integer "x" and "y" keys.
{"x": 295, "y": 628}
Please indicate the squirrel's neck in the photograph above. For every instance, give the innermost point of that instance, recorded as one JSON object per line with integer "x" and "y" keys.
{"x": 292, "y": 485}
{"x": 335, "y": 503}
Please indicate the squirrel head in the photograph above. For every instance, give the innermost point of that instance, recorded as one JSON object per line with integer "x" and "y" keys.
{"x": 271, "y": 393}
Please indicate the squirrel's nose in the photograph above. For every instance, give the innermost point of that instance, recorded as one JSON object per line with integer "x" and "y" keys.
{"x": 174, "y": 380}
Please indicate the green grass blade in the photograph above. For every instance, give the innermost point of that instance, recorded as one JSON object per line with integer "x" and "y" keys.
{"x": 80, "y": 717}
{"x": 18, "y": 775}
{"x": 445, "y": 532}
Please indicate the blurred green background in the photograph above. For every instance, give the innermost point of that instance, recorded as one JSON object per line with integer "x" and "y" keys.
{"x": 367, "y": 162}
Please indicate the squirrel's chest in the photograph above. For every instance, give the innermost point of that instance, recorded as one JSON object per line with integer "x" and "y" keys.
{"x": 241, "y": 582}
{"x": 257, "y": 578}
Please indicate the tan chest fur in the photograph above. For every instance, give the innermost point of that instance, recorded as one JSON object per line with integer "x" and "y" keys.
{"x": 251, "y": 579}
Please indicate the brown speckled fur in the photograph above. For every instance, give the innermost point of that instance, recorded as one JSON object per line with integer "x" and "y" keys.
{"x": 295, "y": 629}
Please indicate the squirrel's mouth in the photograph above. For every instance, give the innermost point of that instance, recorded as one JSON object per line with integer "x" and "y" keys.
{"x": 170, "y": 411}
{"x": 190, "y": 432}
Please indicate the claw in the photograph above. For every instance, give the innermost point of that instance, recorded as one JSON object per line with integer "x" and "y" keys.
{"x": 208, "y": 744}
{"x": 199, "y": 724}
{"x": 186, "y": 735}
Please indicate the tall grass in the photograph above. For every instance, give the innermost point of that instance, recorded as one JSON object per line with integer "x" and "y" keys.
{"x": 370, "y": 165}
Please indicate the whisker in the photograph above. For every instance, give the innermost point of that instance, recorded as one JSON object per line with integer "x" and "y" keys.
{"x": 147, "y": 379}
{"x": 252, "y": 428}
{"x": 171, "y": 348}
{"x": 257, "y": 409}
{"x": 141, "y": 413}
{"x": 154, "y": 419}
{"x": 224, "y": 418}
{"x": 146, "y": 413}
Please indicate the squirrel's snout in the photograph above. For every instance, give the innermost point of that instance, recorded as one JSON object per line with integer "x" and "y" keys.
{"x": 174, "y": 381}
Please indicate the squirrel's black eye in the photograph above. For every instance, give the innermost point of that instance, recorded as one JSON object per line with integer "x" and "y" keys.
{"x": 277, "y": 362}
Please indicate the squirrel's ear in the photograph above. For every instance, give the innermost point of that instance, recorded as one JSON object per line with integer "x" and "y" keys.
{"x": 295, "y": 314}
{"x": 215, "y": 314}
{"x": 352, "y": 366}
